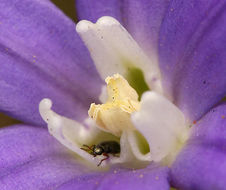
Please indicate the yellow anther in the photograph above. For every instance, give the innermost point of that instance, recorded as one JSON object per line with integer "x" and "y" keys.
{"x": 114, "y": 115}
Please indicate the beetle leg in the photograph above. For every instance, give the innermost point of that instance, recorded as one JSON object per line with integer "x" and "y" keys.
{"x": 87, "y": 146}
{"x": 85, "y": 149}
{"x": 107, "y": 156}
{"x": 88, "y": 149}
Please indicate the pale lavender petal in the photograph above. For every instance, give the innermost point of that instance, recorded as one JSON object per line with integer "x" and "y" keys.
{"x": 202, "y": 162}
{"x": 151, "y": 178}
{"x": 32, "y": 159}
{"x": 192, "y": 54}
{"x": 141, "y": 18}
{"x": 41, "y": 56}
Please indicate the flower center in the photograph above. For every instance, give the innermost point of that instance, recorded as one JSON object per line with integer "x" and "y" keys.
{"x": 146, "y": 124}
{"x": 114, "y": 115}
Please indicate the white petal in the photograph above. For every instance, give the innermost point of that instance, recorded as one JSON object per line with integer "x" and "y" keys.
{"x": 133, "y": 141}
{"x": 69, "y": 132}
{"x": 114, "y": 50}
{"x": 161, "y": 123}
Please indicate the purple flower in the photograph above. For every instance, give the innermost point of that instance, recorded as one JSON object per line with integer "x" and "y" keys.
{"x": 42, "y": 56}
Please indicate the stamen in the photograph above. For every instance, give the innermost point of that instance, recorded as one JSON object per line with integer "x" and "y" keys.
{"x": 114, "y": 115}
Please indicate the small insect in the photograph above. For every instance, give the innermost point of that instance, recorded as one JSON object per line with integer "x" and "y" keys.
{"x": 105, "y": 148}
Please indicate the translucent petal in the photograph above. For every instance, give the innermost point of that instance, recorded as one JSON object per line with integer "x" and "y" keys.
{"x": 68, "y": 132}
{"x": 162, "y": 124}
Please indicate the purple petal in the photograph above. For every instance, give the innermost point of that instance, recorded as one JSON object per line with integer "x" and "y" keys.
{"x": 151, "y": 178}
{"x": 32, "y": 159}
{"x": 202, "y": 162}
{"x": 41, "y": 56}
{"x": 93, "y": 10}
{"x": 192, "y": 54}
{"x": 141, "y": 18}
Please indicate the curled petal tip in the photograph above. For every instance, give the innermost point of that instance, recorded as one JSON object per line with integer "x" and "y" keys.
{"x": 107, "y": 20}
{"x": 45, "y": 103}
{"x": 44, "y": 107}
{"x": 84, "y": 26}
